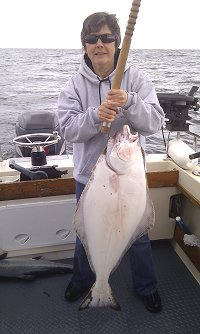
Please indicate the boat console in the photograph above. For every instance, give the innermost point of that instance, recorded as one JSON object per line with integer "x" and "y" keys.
{"x": 36, "y": 124}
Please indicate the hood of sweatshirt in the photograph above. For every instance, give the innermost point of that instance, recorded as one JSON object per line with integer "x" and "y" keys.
{"x": 86, "y": 69}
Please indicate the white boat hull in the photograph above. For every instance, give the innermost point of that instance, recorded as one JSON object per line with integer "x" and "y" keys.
{"x": 43, "y": 225}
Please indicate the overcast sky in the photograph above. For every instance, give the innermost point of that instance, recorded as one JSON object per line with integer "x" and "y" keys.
{"x": 161, "y": 24}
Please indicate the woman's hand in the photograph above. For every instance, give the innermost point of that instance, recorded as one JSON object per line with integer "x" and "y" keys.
{"x": 108, "y": 109}
{"x": 117, "y": 96}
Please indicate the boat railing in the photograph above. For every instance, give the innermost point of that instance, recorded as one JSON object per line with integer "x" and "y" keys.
{"x": 2, "y": 154}
{"x": 196, "y": 137}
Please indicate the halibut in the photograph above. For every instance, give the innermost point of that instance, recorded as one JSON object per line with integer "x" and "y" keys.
{"x": 114, "y": 210}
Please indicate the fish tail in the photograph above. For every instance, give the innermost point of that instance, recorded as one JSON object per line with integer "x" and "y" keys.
{"x": 100, "y": 298}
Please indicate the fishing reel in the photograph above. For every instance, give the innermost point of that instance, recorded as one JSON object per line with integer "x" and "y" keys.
{"x": 38, "y": 143}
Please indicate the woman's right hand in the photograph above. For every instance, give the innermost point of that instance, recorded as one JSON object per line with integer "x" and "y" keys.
{"x": 107, "y": 111}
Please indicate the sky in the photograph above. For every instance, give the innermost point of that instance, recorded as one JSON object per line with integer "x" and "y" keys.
{"x": 161, "y": 24}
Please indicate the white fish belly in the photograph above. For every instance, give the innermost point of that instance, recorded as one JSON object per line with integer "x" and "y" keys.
{"x": 109, "y": 212}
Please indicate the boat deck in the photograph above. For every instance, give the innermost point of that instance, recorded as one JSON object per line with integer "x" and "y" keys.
{"x": 39, "y": 307}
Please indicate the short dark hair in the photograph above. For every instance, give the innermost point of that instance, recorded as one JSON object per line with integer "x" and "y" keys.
{"x": 95, "y": 21}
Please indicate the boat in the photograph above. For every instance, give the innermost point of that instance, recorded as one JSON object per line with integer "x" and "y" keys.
{"x": 37, "y": 203}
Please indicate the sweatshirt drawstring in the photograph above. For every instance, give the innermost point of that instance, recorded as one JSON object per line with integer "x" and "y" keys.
{"x": 100, "y": 81}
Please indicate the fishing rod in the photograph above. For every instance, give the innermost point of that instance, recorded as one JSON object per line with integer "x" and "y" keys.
{"x": 123, "y": 54}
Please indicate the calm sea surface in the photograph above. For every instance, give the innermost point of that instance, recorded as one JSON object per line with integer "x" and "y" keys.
{"x": 31, "y": 79}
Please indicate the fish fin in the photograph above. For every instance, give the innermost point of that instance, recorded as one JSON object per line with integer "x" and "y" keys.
{"x": 145, "y": 225}
{"x": 103, "y": 299}
{"x": 78, "y": 222}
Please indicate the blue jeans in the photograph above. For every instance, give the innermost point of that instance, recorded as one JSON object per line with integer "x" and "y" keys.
{"x": 141, "y": 261}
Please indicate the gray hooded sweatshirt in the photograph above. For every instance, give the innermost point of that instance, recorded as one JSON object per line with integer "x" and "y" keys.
{"x": 78, "y": 113}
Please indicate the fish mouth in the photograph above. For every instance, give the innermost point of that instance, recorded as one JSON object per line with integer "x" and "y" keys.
{"x": 124, "y": 135}
{"x": 127, "y": 138}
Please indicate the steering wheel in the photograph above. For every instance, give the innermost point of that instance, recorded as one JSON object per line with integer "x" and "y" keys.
{"x": 45, "y": 139}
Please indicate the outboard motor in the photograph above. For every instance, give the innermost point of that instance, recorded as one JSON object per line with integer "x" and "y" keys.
{"x": 41, "y": 121}
{"x": 176, "y": 108}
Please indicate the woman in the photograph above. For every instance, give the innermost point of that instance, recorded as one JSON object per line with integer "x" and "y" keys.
{"x": 86, "y": 101}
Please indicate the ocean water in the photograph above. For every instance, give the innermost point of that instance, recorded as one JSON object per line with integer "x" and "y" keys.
{"x": 31, "y": 79}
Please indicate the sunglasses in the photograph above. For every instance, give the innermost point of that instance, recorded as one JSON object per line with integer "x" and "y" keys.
{"x": 105, "y": 38}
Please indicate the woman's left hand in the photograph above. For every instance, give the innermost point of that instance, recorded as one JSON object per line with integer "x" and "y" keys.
{"x": 117, "y": 96}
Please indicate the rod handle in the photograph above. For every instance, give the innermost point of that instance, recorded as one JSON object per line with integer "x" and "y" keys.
{"x": 119, "y": 72}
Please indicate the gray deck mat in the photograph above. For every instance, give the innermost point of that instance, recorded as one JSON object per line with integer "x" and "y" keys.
{"x": 39, "y": 307}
